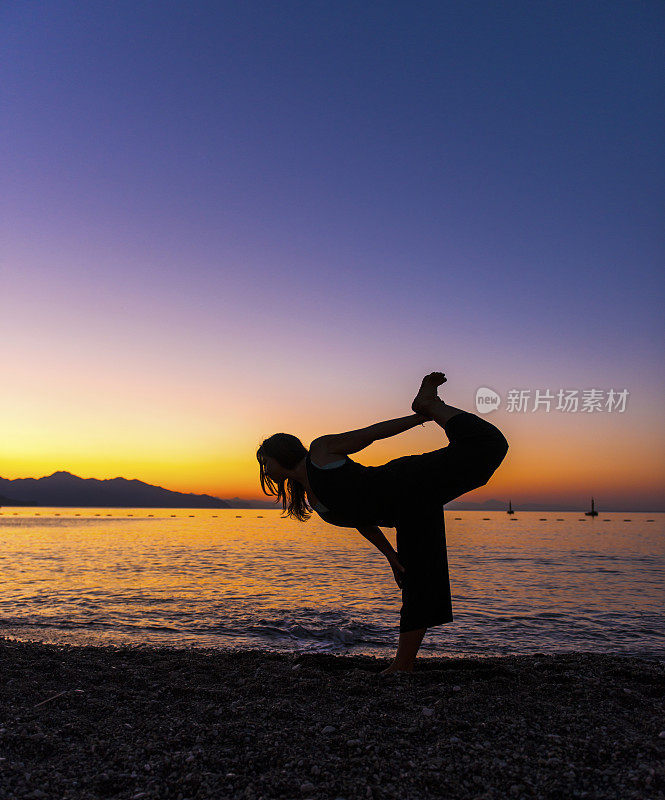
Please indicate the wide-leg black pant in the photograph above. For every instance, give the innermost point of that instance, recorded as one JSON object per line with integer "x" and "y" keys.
{"x": 422, "y": 484}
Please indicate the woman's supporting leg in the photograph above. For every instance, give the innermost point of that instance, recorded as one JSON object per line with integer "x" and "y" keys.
{"x": 426, "y": 601}
{"x": 407, "y": 650}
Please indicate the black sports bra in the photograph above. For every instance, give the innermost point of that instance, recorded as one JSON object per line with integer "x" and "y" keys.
{"x": 319, "y": 507}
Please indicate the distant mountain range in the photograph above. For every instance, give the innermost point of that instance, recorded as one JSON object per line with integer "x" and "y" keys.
{"x": 7, "y": 501}
{"x": 500, "y": 505}
{"x": 237, "y": 502}
{"x": 64, "y": 489}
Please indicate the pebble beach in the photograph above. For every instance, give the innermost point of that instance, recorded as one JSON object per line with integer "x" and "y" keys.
{"x": 191, "y": 724}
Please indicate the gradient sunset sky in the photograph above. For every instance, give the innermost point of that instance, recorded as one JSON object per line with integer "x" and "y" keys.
{"x": 224, "y": 220}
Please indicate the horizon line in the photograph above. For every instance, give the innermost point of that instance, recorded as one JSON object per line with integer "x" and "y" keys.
{"x": 540, "y": 505}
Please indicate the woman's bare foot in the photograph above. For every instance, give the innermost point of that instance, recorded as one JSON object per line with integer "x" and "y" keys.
{"x": 393, "y": 668}
{"x": 427, "y": 395}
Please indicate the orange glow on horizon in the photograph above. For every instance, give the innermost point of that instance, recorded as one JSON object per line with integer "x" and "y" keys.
{"x": 541, "y": 466}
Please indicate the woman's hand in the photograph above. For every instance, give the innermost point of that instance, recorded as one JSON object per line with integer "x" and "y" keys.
{"x": 398, "y": 569}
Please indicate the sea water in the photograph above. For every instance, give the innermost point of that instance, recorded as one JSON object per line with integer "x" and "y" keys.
{"x": 239, "y": 578}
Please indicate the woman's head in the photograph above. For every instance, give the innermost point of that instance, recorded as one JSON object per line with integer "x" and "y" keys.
{"x": 278, "y": 455}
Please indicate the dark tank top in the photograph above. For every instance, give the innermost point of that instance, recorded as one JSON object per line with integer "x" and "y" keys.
{"x": 354, "y": 494}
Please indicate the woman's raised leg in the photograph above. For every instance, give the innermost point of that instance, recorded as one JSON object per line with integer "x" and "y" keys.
{"x": 429, "y": 404}
{"x": 476, "y": 450}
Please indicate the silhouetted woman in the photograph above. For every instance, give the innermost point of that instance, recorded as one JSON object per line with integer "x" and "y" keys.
{"x": 407, "y": 494}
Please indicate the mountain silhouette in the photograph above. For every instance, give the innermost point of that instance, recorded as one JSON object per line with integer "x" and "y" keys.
{"x": 7, "y": 501}
{"x": 64, "y": 489}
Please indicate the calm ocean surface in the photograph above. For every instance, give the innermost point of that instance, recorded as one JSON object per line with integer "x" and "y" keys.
{"x": 241, "y": 578}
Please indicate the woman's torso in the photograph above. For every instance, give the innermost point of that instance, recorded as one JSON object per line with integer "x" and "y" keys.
{"x": 320, "y": 463}
{"x": 346, "y": 493}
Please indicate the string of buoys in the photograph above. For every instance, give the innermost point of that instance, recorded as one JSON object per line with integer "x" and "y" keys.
{"x": 260, "y": 516}
{"x": 57, "y": 514}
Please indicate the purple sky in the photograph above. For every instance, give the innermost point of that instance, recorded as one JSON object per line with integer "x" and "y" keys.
{"x": 283, "y": 214}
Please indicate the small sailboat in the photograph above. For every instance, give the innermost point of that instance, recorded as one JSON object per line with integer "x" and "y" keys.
{"x": 593, "y": 512}
{"x": 510, "y": 508}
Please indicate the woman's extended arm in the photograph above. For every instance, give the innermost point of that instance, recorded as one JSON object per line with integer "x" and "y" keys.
{"x": 352, "y": 441}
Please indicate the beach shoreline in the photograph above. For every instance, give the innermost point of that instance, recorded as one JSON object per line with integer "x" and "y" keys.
{"x": 162, "y": 722}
